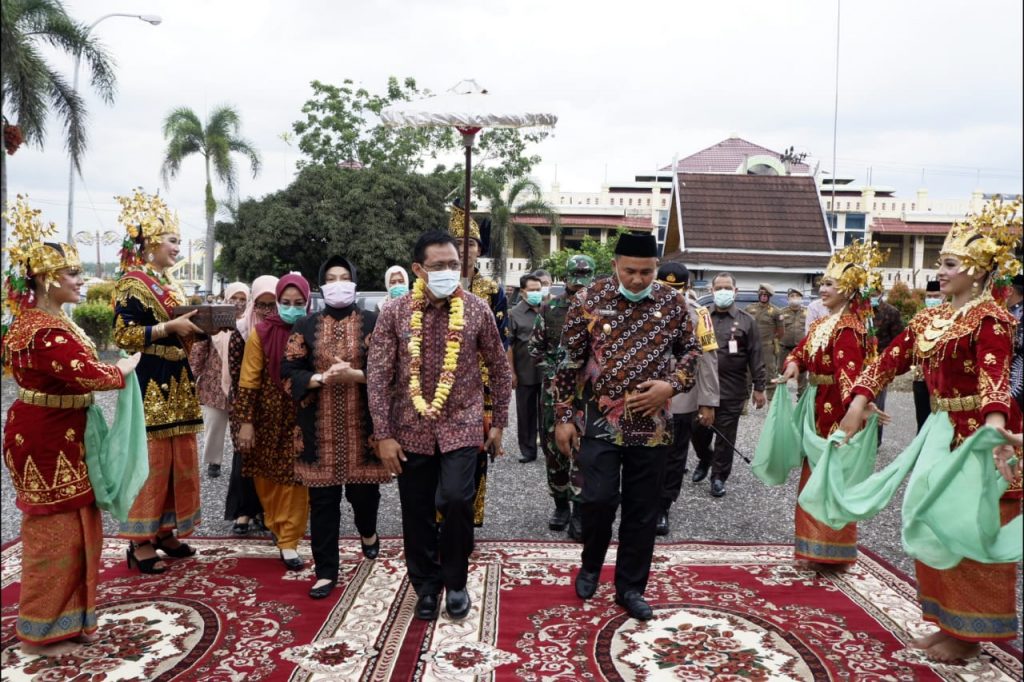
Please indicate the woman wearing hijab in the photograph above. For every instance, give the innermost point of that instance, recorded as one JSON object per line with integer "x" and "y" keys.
{"x": 213, "y": 381}
{"x": 324, "y": 366}
{"x": 243, "y": 504}
{"x": 267, "y": 414}
{"x": 396, "y": 283}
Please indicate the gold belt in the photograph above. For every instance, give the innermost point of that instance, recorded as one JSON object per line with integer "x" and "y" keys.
{"x": 961, "y": 403}
{"x": 66, "y": 402}
{"x": 821, "y": 379}
{"x": 172, "y": 353}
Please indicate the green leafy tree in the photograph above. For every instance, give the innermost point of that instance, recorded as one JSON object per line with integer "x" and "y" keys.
{"x": 603, "y": 255}
{"x": 372, "y": 216}
{"x": 906, "y": 300}
{"x": 508, "y": 204}
{"x": 31, "y": 89}
{"x": 342, "y": 127}
{"x": 215, "y": 142}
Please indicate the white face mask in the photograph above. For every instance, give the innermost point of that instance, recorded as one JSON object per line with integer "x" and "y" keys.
{"x": 545, "y": 291}
{"x": 443, "y": 283}
{"x": 339, "y": 294}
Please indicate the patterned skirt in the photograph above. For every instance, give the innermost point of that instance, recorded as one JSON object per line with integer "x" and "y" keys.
{"x": 59, "y": 570}
{"x": 169, "y": 499}
{"x": 815, "y": 541}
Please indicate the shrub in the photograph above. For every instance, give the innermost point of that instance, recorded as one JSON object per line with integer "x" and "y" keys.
{"x": 906, "y": 300}
{"x": 97, "y": 320}
{"x": 100, "y": 293}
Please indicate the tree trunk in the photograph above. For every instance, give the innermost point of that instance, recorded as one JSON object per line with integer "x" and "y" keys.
{"x": 211, "y": 210}
{"x": 3, "y": 208}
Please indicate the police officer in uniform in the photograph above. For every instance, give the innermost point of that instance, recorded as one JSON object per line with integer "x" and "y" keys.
{"x": 696, "y": 406}
{"x": 769, "y": 326}
{"x": 794, "y": 322}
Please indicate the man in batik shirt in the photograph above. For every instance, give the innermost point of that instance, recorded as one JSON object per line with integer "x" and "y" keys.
{"x": 629, "y": 340}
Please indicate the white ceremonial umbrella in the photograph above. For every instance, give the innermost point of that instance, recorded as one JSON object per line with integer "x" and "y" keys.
{"x": 468, "y": 108}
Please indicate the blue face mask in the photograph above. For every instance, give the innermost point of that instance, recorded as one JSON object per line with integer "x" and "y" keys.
{"x": 290, "y": 314}
{"x": 875, "y": 300}
{"x": 398, "y": 291}
{"x": 534, "y": 298}
{"x": 932, "y": 302}
{"x": 635, "y": 297}
{"x": 724, "y": 298}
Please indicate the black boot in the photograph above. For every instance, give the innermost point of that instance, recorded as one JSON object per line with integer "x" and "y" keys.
{"x": 576, "y": 523}
{"x": 560, "y": 517}
{"x": 661, "y": 528}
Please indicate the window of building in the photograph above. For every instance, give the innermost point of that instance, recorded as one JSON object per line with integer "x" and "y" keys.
{"x": 932, "y": 248}
{"x": 894, "y": 245}
{"x": 847, "y": 205}
{"x": 855, "y": 226}
{"x": 828, "y": 205}
{"x": 874, "y": 206}
{"x": 913, "y": 207}
{"x": 648, "y": 202}
{"x": 588, "y": 202}
{"x": 620, "y": 201}
{"x": 630, "y": 202}
{"x": 662, "y": 202}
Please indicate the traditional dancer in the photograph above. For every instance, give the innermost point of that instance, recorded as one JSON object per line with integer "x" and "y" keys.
{"x": 144, "y": 300}
{"x": 954, "y": 504}
{"x": 832, "y": 353}
{"x": 56, "y": 367}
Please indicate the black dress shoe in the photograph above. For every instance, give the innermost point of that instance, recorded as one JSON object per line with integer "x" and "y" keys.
{"x": 635, "y": 605}
{"x": 295, "y": 564}
{"x": 213, "y": 471}
{"x": 426, "y": 607}
{"x": 523, "y": 459}
{"x": 576, "y": 524}
{"x": 586, "y": 583}
{"x": 559, "y": 518}
{"x": 662, "y": 526}
{"x": 322, "y": 591}
{"x": 717, "y": 487}
{"x": 700, "y": 473}
{"x": 371, "y": 551}
{"x": 457, "y": 603}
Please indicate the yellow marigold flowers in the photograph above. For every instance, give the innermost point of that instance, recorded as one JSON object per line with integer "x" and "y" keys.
{"x": 453, "y": 347}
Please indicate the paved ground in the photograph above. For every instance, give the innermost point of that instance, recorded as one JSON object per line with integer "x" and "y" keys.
{"x": 518, "y": 504}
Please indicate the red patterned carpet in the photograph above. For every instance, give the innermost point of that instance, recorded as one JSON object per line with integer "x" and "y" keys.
{"x": 723, "y": 612}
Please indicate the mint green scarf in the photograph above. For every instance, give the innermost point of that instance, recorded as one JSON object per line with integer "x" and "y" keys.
{"x": 951, "y": 506}
{"x": 789, "y": 435}
{"x": 118, "y": 456}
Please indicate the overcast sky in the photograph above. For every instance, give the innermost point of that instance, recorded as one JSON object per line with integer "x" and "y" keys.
{"x": 922, "y": 85}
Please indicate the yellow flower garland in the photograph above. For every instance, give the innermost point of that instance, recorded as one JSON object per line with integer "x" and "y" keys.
{"x": 453, "y": 346}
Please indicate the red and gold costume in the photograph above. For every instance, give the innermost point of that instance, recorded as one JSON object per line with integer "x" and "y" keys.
{"x": 56, "y": 368}
{"x": 143, "y": 299}
{"x": 832, "y": 353}
{"x": 965, "y": 358}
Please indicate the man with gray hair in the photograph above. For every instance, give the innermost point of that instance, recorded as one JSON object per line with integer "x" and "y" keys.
{"x": 739, "y": 351}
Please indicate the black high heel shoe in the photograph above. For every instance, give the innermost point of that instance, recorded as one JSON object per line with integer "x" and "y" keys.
{"x": 371, "y": 551}
{"x": 147, "y": 566}
{"x": 182, "y": 551}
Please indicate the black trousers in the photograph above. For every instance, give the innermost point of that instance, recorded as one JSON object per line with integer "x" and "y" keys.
{"x": 325, "y": 521}
{"x": 527, "y": 419}
{"x": 675, "y": 463}
{"x": 442, "y": 482}
{"x": 727, "y": 420}
{"x": 922, "y": 403}
{"x": 614, "y": 475}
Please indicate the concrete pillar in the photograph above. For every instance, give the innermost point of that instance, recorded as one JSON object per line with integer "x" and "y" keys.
{"x": 922, "y": 199}
{"x": 918, "y": 252}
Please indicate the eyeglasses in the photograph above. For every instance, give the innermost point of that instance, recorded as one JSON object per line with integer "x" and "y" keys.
{"x": 264, "y": 306}
{"x": 438, "y": 267}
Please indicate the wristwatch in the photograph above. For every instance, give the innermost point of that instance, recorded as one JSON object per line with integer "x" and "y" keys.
{"x": 318, "y": 378}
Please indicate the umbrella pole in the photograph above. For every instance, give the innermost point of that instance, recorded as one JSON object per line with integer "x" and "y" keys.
{"x": 468, "y": 134}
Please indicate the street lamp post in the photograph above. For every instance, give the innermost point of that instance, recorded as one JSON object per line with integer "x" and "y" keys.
{"x": 87, "y": 238}
{"x": 149, "y": 19}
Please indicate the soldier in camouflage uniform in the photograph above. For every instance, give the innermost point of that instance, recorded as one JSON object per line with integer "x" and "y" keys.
{"x": 564, "y": 480}
{"x": 794, "y": 322}
{"x": 769, "y": 325}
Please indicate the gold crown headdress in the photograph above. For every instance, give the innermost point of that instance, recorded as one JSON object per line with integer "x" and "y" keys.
{"x": 987, "y": 240}
{"x": 855, "y": 268}
{"x": 145, "y": 217}
{"x": 457, "y": 223}
{"x": 28, "y": 255}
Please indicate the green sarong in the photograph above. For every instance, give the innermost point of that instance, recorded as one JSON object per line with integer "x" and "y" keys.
{"x": 951, "y": 506}
{"x": 118, "y": 457}
{"x": 790, "y": 435}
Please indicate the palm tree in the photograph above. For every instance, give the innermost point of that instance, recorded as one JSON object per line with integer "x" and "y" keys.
{"x": 31, "y": 88}
{"x": 521, "y": 197}
{"x": 186, "y": 135}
